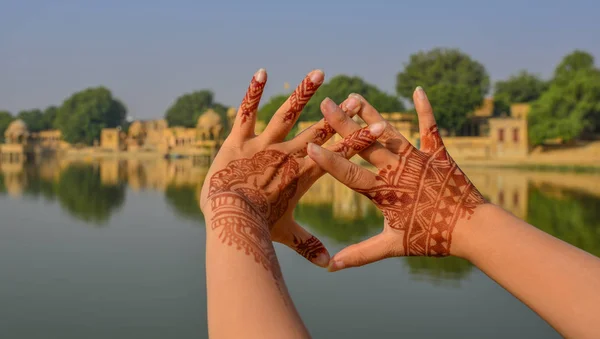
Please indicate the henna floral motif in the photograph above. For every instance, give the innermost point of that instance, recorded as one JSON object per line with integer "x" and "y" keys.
{"x": 299, "y": 98}
{"x": 309, "y": 248}
{"x": 424, "y": 195}
{"x": 248, "y": 197}
{"x": 252, "y": 99}
{"x": 359, "y": 140}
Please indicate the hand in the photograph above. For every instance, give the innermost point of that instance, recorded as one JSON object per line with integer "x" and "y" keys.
{"x": 256, "y": 181}
{"x": 423, "y": 194}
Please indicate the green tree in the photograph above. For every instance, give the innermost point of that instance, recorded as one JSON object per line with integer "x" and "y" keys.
{"x": 188, "y": 107}
{"x": 521, "y": 87}
{"x": 48, "y": 117}
{"x": 337, "y": 89}
{"x": 33, "y": 119}
{"x": 570, "y": 108}
{"x": 82, "y": 116}
{"x": 445, "y": 68}
{"x": 5, "y": 119}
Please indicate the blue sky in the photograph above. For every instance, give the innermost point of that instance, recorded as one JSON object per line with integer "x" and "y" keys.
{"x": 149, "y": 52}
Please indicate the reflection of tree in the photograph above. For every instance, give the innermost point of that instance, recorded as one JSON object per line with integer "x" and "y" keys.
{"x": 439, "y": 270}
{"x": 81, "y": 192}
{"x": 183, "y": 200}
{"x": 2, "y": 185}
{"x": 569, "y": 215}
{"x": 36, "y": 185}
{"x": 320, "y": 219}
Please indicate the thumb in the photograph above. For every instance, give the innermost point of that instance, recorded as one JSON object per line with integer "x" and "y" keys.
{"x": 373, "y": 249}
{"x": 305, "y": 244}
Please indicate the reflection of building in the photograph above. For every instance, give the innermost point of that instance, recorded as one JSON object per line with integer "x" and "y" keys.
{"x": 484, "y": 136}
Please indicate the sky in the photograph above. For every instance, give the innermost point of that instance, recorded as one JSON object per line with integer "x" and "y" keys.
{"x": 150, "y": 52}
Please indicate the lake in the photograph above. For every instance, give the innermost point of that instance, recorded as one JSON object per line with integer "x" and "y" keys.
{"x": 115, "y": 249}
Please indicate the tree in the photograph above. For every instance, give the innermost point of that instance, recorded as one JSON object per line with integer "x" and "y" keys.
{"x": 337, "y": 89}
{"x": 5, "y": 119}
{"x": 445, "y": 68}
{"x": 82, "y": 116}
{"x": 522, "y": 87}
{"x": 188, "y": 107}
{"x": 32, "y": 118}
{"x": 570, "y": 108}
{"x": 49, "y": 117}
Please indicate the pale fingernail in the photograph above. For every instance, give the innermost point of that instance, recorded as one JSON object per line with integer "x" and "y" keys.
{"x": 328, "y": 105}
{"x": 354, "y": 95}
{"x": 377, "y": 128}
{"x": 260, "y": 75}
{"x": 322, "y": 260}
{"x": 352, "y": 104}
{"x": 421, "y": 93}
{"x": 317, "y": 76}
{"x": 313, "y": 149}
{"x": 336, "y": 265}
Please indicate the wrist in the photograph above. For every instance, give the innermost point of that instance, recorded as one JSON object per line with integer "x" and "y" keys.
{"x": 467, "y": 233}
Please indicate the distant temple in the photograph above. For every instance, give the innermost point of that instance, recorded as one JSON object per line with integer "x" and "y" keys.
{"x": 485, "y": 137}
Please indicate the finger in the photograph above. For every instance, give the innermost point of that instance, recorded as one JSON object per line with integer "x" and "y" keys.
{"x": 320, "y": 132}
{"x": 359, "y": 140}
{"x": 307, "y": 245}
{"x": 284, "y": 119}
{"x": 344, "y": 125}
{"x": 371, "y": 250}
{"x": 393, "y": 140}
{"x": 246, "y": 116}
{"x": 345, "y": 171}
{"x": 431, "y": 140}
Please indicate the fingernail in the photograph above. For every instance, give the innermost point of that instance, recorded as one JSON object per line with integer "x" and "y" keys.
{"x": 421, "y": 93}
{"x": 317, "y": 76}
{"x": 352, "y": 104}
{"x": 260, "y": 75}
{"x": 354, "y": 95}
{"x": 313, "y": 149}
{"x": 335, "y": 265}
{"x": 377, "y": 128}
{"x": 328, "y": 105}
{"x": 322, "y": 260}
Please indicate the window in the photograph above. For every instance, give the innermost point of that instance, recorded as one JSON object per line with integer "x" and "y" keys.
{"x": 501, "y": 134}
{"x": 516, "y": 135}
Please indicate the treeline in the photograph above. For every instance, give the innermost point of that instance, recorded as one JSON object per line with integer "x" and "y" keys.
{"x": 566, "y": 106}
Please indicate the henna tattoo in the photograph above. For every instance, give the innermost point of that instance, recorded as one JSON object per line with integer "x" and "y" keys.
{"x": 424, "y": 195}
{"x": 252, "y": 99}
{"x": 310, "y": 248}
{"x": 248, "y": 197}
{"x": 357, "y": 141}
{"x": 299, "y": 98}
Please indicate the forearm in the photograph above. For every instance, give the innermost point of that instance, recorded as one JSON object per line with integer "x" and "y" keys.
{"x": 247, "y": 296}
{"x": 558, "y": 281}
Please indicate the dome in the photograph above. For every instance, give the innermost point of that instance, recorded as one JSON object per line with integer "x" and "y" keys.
{"x": 231, "y": 113}
{"x": 136, "y": 128}
{"x": 16, "y": 128}
{"x": 209, "y": 119}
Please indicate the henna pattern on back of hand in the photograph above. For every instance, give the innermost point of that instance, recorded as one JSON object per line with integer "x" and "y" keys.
{"x": 248, "y": 197}
{"x": 423, "y": 196}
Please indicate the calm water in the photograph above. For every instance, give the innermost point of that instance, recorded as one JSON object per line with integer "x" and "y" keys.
{"x": 116, "y": 250}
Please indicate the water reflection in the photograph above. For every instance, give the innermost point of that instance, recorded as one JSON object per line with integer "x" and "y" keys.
{"x": 562, "y": 204}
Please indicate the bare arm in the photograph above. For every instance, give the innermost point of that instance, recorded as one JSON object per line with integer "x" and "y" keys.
{"x": 431, "y": 208}
{"x": 557, "y": 280}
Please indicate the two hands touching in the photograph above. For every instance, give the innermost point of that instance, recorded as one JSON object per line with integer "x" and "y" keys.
{"x": 430, "y": 208}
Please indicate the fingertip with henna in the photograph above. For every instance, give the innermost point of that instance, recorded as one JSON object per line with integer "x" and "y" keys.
{"x": 322, "y": 260}
{"x": 261, "y": 75}
{"x": 317, "y": 76}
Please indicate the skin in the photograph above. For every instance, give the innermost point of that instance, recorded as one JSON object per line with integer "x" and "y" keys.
{"x": 255, "y": 183}
{"x": 431, "y": 208}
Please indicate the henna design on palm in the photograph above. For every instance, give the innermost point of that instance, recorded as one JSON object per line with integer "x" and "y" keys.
{"x": 423, "y": 196}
